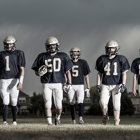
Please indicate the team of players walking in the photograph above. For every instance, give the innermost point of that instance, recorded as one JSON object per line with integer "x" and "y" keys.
{"x": 59, "y": 73}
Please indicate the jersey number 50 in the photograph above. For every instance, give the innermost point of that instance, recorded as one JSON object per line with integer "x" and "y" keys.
{"x": 107, "y": 68}
{"x": 53, "y": 66}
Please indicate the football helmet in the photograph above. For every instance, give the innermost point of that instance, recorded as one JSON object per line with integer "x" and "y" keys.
{"x": 75, "y": 53}
{"x": 112, "y": 44}
{"x": 9, "y": 43}
{"x": 52, "y": 44}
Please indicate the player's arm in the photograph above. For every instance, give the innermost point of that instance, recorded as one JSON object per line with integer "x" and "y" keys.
{"x": 124, "y": 76}
{"x": 134, "y": 85}
{"x": 87, "y": 90}
{"x": 87, "y": 81}
{"x": 98, "y": 86}
{"x": 68, "y": 77}
{"x": 19, "y": 86}
{"x": 99, "y": 77}
{"x": 67, "y": 86}
{"x": 122, "y": 86}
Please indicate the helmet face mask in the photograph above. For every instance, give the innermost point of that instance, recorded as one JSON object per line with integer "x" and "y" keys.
{"x": 9, "y": 47}
{"x": 52, "y": 48}
{"x": 75, "y": 53}
{"x": 111, "y": 48}
{"x": 52, "y": 45}
{"x": 9, "y": 43}
{"x": 111, "y": 51}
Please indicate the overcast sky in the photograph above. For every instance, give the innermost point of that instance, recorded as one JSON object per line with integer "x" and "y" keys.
{"x": 89, "y": 24}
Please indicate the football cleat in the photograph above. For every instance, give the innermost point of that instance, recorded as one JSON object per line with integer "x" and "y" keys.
{"x": 105, "y": 119}
{"x": 5, "y": 123}
{"x": 81, "y": 122}
{"x": 49, "y": 123}
{"x": 117, "y": 122}
{"x": 73, "y": 121}
{"x": 57, "y": 121}
{"x": 14, "y": 123}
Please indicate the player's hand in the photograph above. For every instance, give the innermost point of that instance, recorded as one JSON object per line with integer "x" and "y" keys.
{"x": 67, "y": 88}
{"x": 122, "y": 88}
{"x": 19, "y": 86}
{"x": 98, "y": 89}
{"x": 87, "y": 93}
{"x": 134, "y": 92}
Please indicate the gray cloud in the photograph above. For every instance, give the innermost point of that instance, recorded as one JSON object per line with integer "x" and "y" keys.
{"x": 88, "y": 24}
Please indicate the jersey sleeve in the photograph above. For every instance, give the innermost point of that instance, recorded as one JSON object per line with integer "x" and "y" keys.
{"x": 22, "y": 61}
{"x": 98, "y": 65}
{"x": 134, "y": 67}
{"x": 68, "y": 63}
{"x": 125, "y": 64}
{"x": 36, "y": 63}
{"x": 86, "y": 68}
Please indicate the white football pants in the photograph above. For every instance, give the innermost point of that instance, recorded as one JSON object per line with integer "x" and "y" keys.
{"x": 77, "y": 92}
{"x": 9, "y": 91}
{"x": 54, "y": 90}
{"x": 107, "y": 91}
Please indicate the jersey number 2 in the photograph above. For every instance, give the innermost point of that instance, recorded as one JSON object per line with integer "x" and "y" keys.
{"x": 107, "y": 68}
{"x": 7, "y": 63}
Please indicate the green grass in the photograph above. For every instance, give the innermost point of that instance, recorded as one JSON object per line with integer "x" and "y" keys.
{"x": 36, "y": 128}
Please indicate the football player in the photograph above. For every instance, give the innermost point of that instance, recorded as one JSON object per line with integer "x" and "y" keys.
{"x": 112, "y": 70}
{"x": 53, "y": 66}
{"x": 12, "y": 63}
{"x": 79, "y": 73}
{"x": 135, "y": 69}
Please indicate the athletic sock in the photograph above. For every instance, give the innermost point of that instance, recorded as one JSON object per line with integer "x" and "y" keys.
{"x": 14, "y": 113}
{"x": 5, "y": 112}
{"x": 72, "y": 108}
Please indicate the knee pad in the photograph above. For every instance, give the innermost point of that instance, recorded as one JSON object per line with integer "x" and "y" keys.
{"x": 58, "y": 105}
{"x": 103, "y": 104}
{"x": 14, "y": 101}
{"x": 6, "y": 101}
{"x": 116, "y": 107}
{"x": 72, "y": 102}
{"x": 48, "y": 104}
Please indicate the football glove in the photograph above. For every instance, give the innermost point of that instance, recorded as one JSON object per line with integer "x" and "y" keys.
{"x": 42, "y": 70}
{"x": 87, "y": 93}
{"x": 98, "y": 89}
{"x": 122, "y": 88}
{"x": 67, "y": 88}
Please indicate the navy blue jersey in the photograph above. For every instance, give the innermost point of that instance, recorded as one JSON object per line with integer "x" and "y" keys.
{"x": 10, "y": 63}
{"x": 111, "y": 69}
{"x": 78, "y": 71}
{"x": 57, "y": 66}
{"x": 135, "y": 68}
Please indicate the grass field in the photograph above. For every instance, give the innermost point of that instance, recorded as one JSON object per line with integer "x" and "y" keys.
{"x": 37, "y": 129}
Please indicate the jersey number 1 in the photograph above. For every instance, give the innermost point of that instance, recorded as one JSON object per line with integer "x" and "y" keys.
{"x": 7, "y": 63}
{"x": 107, "y": 68}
